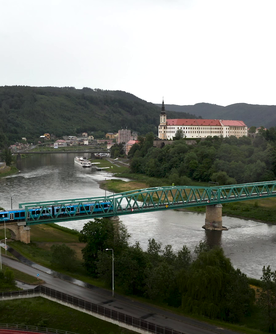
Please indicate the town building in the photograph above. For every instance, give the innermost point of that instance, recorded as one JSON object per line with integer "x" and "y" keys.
{"x": 129, "y": 145}
{"x": 199, "y": 128}
{"x": 124, "y": 136}
{"x": 110, "y": 135}
{"x": 47, "y": 136}
{"x": 60, "y": 143}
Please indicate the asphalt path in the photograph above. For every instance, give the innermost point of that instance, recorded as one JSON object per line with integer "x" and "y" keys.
{"x": 119, "y": 303}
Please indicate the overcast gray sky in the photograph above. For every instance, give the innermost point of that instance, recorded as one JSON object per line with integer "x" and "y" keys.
{"x": 187, "y": 51}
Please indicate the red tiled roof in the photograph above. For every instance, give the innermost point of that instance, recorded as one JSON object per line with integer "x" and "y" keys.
{"x": 132, "y": 142}
{"x": 193, "y": 122}
{"x": 232, "y": 123}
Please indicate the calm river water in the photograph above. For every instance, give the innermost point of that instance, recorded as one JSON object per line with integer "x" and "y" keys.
{"x": 250, "y": 245}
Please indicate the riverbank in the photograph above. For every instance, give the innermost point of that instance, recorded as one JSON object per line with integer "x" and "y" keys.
{"x": 8, "y": 170}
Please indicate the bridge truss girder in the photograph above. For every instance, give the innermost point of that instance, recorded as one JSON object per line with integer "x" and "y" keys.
{"x": 145, "y": 200}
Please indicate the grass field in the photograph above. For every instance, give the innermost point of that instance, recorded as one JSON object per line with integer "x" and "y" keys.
{"x": 44, "y": 313}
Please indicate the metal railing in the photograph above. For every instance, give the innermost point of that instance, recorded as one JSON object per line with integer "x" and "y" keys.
{"x": 41, "y": 291}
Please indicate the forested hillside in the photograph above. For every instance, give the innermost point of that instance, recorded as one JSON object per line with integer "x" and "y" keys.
{"x": 252, "y": 115}
{"x": 32, "y": 111}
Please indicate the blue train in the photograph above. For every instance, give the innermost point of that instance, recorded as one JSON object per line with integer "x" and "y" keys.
{"x": 51, "y": 212}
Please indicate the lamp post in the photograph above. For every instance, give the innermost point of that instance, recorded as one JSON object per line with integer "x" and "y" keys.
{"x": 110, "y": 249}
{"x": 5, "y": 236}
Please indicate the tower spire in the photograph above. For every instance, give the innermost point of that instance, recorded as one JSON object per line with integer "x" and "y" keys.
{"x": 163, "y": 106}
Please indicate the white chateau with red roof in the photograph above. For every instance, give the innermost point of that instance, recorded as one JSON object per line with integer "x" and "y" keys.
{"x": 199, "y": 128}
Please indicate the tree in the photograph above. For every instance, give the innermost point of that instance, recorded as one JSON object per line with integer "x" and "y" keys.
{"x": 7, "y": 156}
{"x": 252, "y": 129}
{"x": 130, "y": 270}
{"x": 63, "y": 256}
{"x": 117, "y": 150}
{"x": 179, "y": 135}
{"x": 267, "y": 298}
{"x": 161, "y": 284}
{"x": 154, "y": 251}
{"x": 99, "y": 235}
{"x": 3, "y": 139}
{"x": 222, "y": 178}
{"x": 210, "y": 285}
{"x": 132, "y": 150}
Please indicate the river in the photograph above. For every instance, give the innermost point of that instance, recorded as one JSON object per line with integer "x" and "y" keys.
{"x": 250, "y": 245}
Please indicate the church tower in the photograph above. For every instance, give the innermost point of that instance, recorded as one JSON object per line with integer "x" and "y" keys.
{"x": 162, "y": 129}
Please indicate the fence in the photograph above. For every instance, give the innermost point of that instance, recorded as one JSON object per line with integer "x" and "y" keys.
{"x": 88, "y": 307}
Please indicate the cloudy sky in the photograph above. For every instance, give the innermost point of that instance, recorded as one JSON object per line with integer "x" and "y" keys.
{"x": 187, "y": 51}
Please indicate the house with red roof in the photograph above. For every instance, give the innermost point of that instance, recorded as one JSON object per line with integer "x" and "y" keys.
{"x": 129, "y": 145}
{"x": 199, "y": 128}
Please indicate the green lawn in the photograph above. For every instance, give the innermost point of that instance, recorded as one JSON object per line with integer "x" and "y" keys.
{"x": 44, "y": 313}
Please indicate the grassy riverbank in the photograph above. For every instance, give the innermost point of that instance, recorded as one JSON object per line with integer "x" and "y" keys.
{"x": 9, "y": 171}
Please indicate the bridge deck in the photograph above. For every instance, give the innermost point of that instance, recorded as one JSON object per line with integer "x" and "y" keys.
{"x": 142, "y": 200}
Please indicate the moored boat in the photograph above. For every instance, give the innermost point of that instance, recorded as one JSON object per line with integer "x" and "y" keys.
{"x": 83, "y": 161}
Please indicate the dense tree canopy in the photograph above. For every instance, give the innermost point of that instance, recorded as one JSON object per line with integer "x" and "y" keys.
{"x": 222, "y": 160}
{"x": 203, "y": 283}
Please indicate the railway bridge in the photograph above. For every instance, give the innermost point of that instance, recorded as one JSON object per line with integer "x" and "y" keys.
{"x": 137, "y": 201}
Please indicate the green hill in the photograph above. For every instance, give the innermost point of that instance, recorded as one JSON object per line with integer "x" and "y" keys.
{"x": 32, "y": 111}
{"x": 252, "y": 115}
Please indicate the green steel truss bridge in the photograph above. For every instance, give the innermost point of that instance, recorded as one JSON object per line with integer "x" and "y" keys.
{"x": 143, "y": 200}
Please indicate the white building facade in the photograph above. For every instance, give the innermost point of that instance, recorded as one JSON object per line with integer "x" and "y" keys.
{"x": 199, "y": 128}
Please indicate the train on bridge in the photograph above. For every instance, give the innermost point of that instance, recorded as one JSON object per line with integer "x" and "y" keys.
{"x": 55, "y": 212}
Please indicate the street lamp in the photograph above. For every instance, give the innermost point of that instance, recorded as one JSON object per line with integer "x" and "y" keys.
{"x": 110, "y": 249}
{"x": 5, "y": 234}
{"x": 4, "y": 237}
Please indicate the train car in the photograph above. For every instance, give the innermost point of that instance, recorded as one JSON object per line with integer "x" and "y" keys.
{"x": 12, "y": 215}
{"x": 52, "y": 212}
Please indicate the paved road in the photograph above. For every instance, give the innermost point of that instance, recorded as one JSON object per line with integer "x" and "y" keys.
{"x": 119, "y": 303}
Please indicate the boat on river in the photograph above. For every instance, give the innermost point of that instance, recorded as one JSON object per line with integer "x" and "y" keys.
{"x": 83, "y": 162}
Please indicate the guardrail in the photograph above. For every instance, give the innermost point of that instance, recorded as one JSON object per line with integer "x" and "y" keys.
{"x": 88, "y": 307}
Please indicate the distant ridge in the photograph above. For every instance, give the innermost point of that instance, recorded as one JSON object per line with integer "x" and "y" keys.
{"x": 32, "y": 111}
{"x": 250, "y": 114}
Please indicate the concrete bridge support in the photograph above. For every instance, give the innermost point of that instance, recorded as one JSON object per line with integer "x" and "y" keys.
{"x": 19, "y": 231}
{"x": 213, "y": 219}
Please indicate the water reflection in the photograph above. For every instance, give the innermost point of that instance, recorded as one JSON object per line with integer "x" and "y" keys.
{"x": 213, "y": 238}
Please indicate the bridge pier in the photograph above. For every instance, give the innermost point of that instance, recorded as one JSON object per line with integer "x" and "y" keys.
{"x": 19, "y": 231}
{"x": 213, "y": 219}
{"x": 24, "y": 233}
